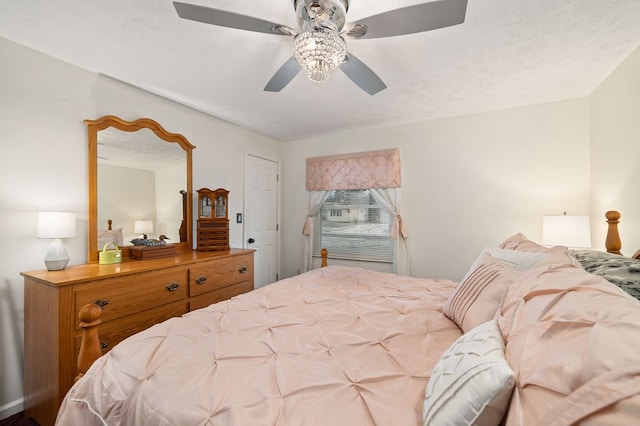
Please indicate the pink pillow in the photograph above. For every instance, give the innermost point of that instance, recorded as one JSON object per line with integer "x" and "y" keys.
{"x": 572, "y": 340}
{"x": 521, "y": 243}
{"x": 478, "y": 296}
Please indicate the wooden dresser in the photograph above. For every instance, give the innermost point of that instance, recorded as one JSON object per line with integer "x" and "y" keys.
{"x": 134, "y": 294}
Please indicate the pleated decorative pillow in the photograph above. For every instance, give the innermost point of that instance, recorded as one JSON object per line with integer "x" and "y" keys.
{"x": 472, "y": 383}
{"x": 478, "y": 296}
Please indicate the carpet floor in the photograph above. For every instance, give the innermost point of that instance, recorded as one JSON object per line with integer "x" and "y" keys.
{"x": 18, "y": 420}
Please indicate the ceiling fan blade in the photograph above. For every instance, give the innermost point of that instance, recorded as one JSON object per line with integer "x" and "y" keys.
{"x": 283, "y": 76}
{"x": 414, "y": 19}
{"x": 227, "y": 19}
{"x": 362, "y": 75}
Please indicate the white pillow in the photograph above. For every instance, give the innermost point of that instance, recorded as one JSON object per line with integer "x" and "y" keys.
{"x": 521, "y": 260}
{"x": 472, "y": 383}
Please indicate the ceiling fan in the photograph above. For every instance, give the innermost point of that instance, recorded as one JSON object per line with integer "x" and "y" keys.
{"x": 319, "y": 45}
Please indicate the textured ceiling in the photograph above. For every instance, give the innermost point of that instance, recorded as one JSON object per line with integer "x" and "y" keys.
{"x": 508, "y": 53}
{"x": 150, "y": 153}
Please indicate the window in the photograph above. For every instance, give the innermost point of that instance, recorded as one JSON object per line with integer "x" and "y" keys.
{"x": 351, "y": 225}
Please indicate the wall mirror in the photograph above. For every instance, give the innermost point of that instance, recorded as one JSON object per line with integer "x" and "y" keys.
{"x": 139, "y": 174}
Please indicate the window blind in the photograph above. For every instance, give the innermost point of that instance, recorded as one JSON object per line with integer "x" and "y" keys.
{"x": 351, "y": 225}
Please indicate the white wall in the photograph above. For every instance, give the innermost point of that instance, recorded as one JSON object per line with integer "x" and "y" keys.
{"x": 467, "y": 182}
{"x": 615, "y": 138}
{"x": 169, "y": 182}
{"x": 43, "y": 159}
{"x": 126, "y": 195}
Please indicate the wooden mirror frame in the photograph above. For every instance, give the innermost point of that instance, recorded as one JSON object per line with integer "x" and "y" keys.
{"x": 93, "y": 127}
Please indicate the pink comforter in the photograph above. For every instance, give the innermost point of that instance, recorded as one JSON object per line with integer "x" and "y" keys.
{"x": 335, "y": 346}
{"x": 573, "y": 340}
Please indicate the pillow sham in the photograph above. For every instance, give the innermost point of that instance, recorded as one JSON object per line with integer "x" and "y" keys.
{"x": 521, "y": 260}
{"x": 521, "y": 243}
{"x": 471, "y": 382}
{"x": 110, "y": 236}
{"x": 476, "y": 299}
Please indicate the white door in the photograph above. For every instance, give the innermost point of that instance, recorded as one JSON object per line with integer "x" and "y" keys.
{"x": 261, "y": 217}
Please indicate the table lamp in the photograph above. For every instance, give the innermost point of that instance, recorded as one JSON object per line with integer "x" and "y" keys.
{"x": 143, "y": 227}
{"x": 566, "y": 230}
{"x": 56, "y": 225}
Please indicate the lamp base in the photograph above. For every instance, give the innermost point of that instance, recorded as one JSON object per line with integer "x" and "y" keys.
{"x": 56, "y": 258}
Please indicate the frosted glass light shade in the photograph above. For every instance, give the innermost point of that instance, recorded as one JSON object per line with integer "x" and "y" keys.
{"x": 566, "y": 230}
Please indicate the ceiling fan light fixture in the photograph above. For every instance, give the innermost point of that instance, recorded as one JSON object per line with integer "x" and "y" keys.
{"x": 319, "y": 51}
{"x": 320, "y": 47}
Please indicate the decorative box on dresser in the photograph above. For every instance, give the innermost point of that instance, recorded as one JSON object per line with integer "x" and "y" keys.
{"x": 213, "y": 220}
{"x": 134, "y": 295}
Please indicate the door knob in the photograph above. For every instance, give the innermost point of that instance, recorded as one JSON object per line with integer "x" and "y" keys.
{"x": 251, "y": 241}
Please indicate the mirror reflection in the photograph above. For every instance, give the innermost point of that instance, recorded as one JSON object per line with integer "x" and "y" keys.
{"x": 140, "y": 178}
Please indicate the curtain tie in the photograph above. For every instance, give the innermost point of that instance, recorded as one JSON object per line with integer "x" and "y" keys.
{"x": 398, "y": 229}
{"x": 306, "y": 229}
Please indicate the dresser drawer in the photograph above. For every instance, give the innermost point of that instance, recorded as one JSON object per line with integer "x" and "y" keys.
{"x": 216, "y": 296}
{"x": 113, "y": 332}
{"x": 220, "y": 273}
{"x": 125, "y": 295}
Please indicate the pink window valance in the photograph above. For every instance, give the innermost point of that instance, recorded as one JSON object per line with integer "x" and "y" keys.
{"x": 361, "y": 170}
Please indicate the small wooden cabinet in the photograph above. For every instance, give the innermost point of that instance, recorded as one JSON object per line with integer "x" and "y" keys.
{"x": 134, "y": 294}
{"x": 213, "y": 220}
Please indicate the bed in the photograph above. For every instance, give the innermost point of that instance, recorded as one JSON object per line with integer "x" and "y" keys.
{"x": 622, "y": 271}
{"x": 523, "y": 339}
{"x": 308, "y": 350}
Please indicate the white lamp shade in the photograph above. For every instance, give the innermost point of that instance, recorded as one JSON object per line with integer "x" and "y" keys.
{"x": 566, "y": 230}
{"x": 143, "y": 227}
{"x": 56, "y": 225}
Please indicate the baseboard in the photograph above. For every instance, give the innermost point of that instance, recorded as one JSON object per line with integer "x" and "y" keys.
{"x": 14, "y": 407}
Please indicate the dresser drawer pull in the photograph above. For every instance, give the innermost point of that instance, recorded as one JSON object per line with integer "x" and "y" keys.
{"x": 201, "y": 280}
{"x": 243, "y": 269}
{"x": 173, "y": 287}
{"x": 104, "y": 346}
{"x": 101, "y": 303}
